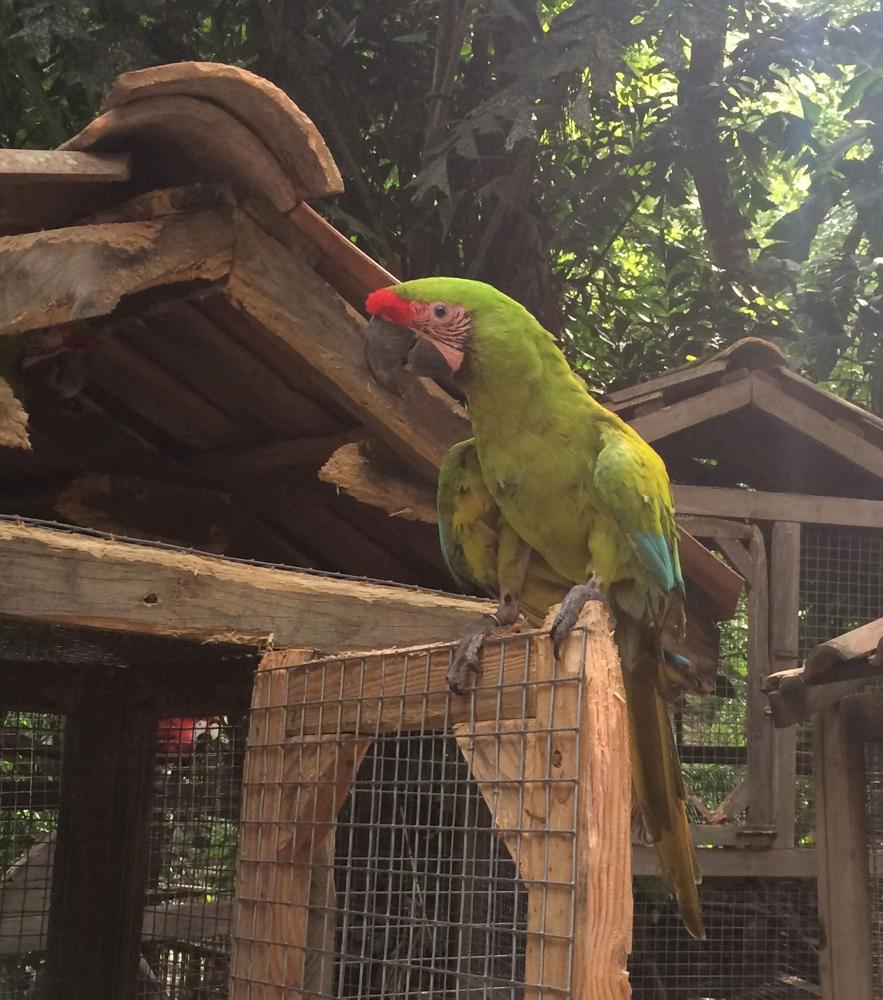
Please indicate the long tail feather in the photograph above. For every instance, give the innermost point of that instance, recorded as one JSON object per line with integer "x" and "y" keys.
{"x": 656, "y": 771}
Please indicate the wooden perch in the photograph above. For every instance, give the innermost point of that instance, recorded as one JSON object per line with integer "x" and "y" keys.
{"x": 68, "y": 578}
{"x": 39, "y": 165}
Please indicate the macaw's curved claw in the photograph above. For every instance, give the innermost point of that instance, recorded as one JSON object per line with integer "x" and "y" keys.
{"x": 574, "y": 601}
{"x": 466, "y": 661}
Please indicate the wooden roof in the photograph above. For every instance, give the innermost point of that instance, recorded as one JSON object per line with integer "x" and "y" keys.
{"x": 743, "y": 417}
{"x": 188, "y": 344}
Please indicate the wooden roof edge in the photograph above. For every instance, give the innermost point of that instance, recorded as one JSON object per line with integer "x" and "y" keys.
{"x": 829, "y": 659}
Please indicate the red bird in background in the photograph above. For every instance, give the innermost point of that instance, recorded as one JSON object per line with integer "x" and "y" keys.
{"x": 182, "y": 737}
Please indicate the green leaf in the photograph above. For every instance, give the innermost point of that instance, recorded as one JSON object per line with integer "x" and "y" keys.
{"x": 811, "y": 110}
{"x": 859, "y": 84}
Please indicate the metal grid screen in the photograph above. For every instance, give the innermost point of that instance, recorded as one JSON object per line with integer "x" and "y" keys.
{"x": 762, "y": 942}
{"x": 393, "y": 846}
{"x": 30, "y": 768}
{"x": 841, "y": 587}
{"x": 194, "y": 827}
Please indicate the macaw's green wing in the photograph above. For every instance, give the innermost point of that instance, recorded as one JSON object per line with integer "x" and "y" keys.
{"x": 480, "y": 547}
{"x": 467, "y": 519}
{"x": 633, "y": 485}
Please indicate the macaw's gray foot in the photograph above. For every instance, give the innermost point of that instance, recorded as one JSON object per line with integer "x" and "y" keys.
{"x": 574, "y": 601}
{"x": 466, "y": 662}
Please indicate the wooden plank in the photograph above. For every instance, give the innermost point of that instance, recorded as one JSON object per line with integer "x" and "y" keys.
{"x": 61, "y": 275}
{"x": 402, "y": 689}
{"x": 841, "y": 846}
{"x": 677, "y": 376}
{"x": 283, "y": 293}
{"x": 713, "y": 527}
{"x": 828, "y": 659}
{"x": 695, "y": 410}
{"x": 68, "y": 578}
{"x": 603, "y": 911}
{"x": 718, "y": 582}
{"x": 755, "y": 505}
{"x": 716, "y": 862}
{"x": 268, "y": 111}
{"x": 792, "y": 700}
{"x": 737, "y": 555}
{"x": 13, "y": 419}
{"x": 349, "y": 271}
{"x": 846, "y": 441}
{"x": 37, "y": 165}
{"x": 759, "y": 736}
{"x": 101, "y": 852}
{"x": 784, "y": 654}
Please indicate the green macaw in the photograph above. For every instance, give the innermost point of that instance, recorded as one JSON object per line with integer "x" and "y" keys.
{"x": 554, "y": 499}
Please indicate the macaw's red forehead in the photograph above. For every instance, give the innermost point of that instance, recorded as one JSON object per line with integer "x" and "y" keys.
{"x": 387, "y": 304}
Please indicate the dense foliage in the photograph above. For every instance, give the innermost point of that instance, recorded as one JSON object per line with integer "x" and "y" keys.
{"x": 654, "y": 178}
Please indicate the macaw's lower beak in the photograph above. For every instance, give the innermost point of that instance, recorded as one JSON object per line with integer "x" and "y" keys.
{"x": 391, "y": 350}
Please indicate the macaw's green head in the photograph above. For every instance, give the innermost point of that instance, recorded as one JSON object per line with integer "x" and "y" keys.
{"x": 428, "y": 326}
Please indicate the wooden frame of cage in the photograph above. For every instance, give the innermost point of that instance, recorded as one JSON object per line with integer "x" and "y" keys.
{"x": 847, "y": 955}
{"x": 292, "y": 747}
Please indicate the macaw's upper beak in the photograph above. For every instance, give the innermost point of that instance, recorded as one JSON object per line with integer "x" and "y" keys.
{"x": 391, "y": 350}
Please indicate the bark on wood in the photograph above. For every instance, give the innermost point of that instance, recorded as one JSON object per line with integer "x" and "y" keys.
{"x": 62, "y": 275}
{"x": 13, "y": 419}
{"x": 206, "y": 141}
{"x": 39, "y": 165}
{"x": 66, "y": 578}
{"x": 291, "y": 136}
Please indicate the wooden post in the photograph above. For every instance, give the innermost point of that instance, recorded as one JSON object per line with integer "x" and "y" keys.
{"x": 784, "y": 654}
{"x": 841, "y": 839}
{"x": 99, "y": 873}
{"x": 579, "y": 938}
{"x": 760, "y": 726}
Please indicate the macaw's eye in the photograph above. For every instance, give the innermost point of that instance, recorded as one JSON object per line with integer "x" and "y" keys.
{"x": 440, "y": 310}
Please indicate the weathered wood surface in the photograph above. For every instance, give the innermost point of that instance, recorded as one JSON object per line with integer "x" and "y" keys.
{"x": 695, "y": 410}
{"x": 209, "y": 143}
{"x": 828, "y": 659}
{"x": 784, "y": 654}
{"x": 759, "y": 735}
{"x": 13, "y": 419}
{"x": 842, "y": 850}
{"x": 62, "y": 275}
{"x": 714, "y": 862}
{"x": 285, "y": 295}
{"x": 68, "y": 578}
{"x": 268, "y": 111}
{"x": 756, "y": 505}
{"x": 40, "y": 165}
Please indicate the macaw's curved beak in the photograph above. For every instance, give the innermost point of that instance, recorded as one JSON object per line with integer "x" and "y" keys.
{"x": 391, "y": 350}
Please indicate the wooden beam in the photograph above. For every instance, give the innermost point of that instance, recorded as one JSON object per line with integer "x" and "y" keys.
{"x": 759, "y": 737}
{"x": 61, "y": 275}
{"x": 714, "y": 527}
{"x": 695, "y": 410}
{"x": 283, "y": 293}
{"x": 754, "y": 505}
{"x": 718, "y": 582}
{"x": 73, "y": 579}
{"x": 842, "y": 848}
{"x": 844, "y": 440}
{"x": 830, "y": 659}
{"x": 723, "y": 862}
{"x": 792, "y": 700}
{"x": 784, "y": 654}
{"x": 36, "y": 165}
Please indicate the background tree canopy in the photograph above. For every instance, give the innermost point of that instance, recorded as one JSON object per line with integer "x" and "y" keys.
{"x": 653, "y": 178}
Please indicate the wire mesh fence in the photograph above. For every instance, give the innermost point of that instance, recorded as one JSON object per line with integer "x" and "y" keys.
{"x": 841, "y": 587}
{"x": 400, "y": 843}
{"x": 762, "y": 942}
{"x": 30, "y": 768}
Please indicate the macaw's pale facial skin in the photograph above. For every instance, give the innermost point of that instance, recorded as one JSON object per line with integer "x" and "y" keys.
{"x": 553, "y": 499}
